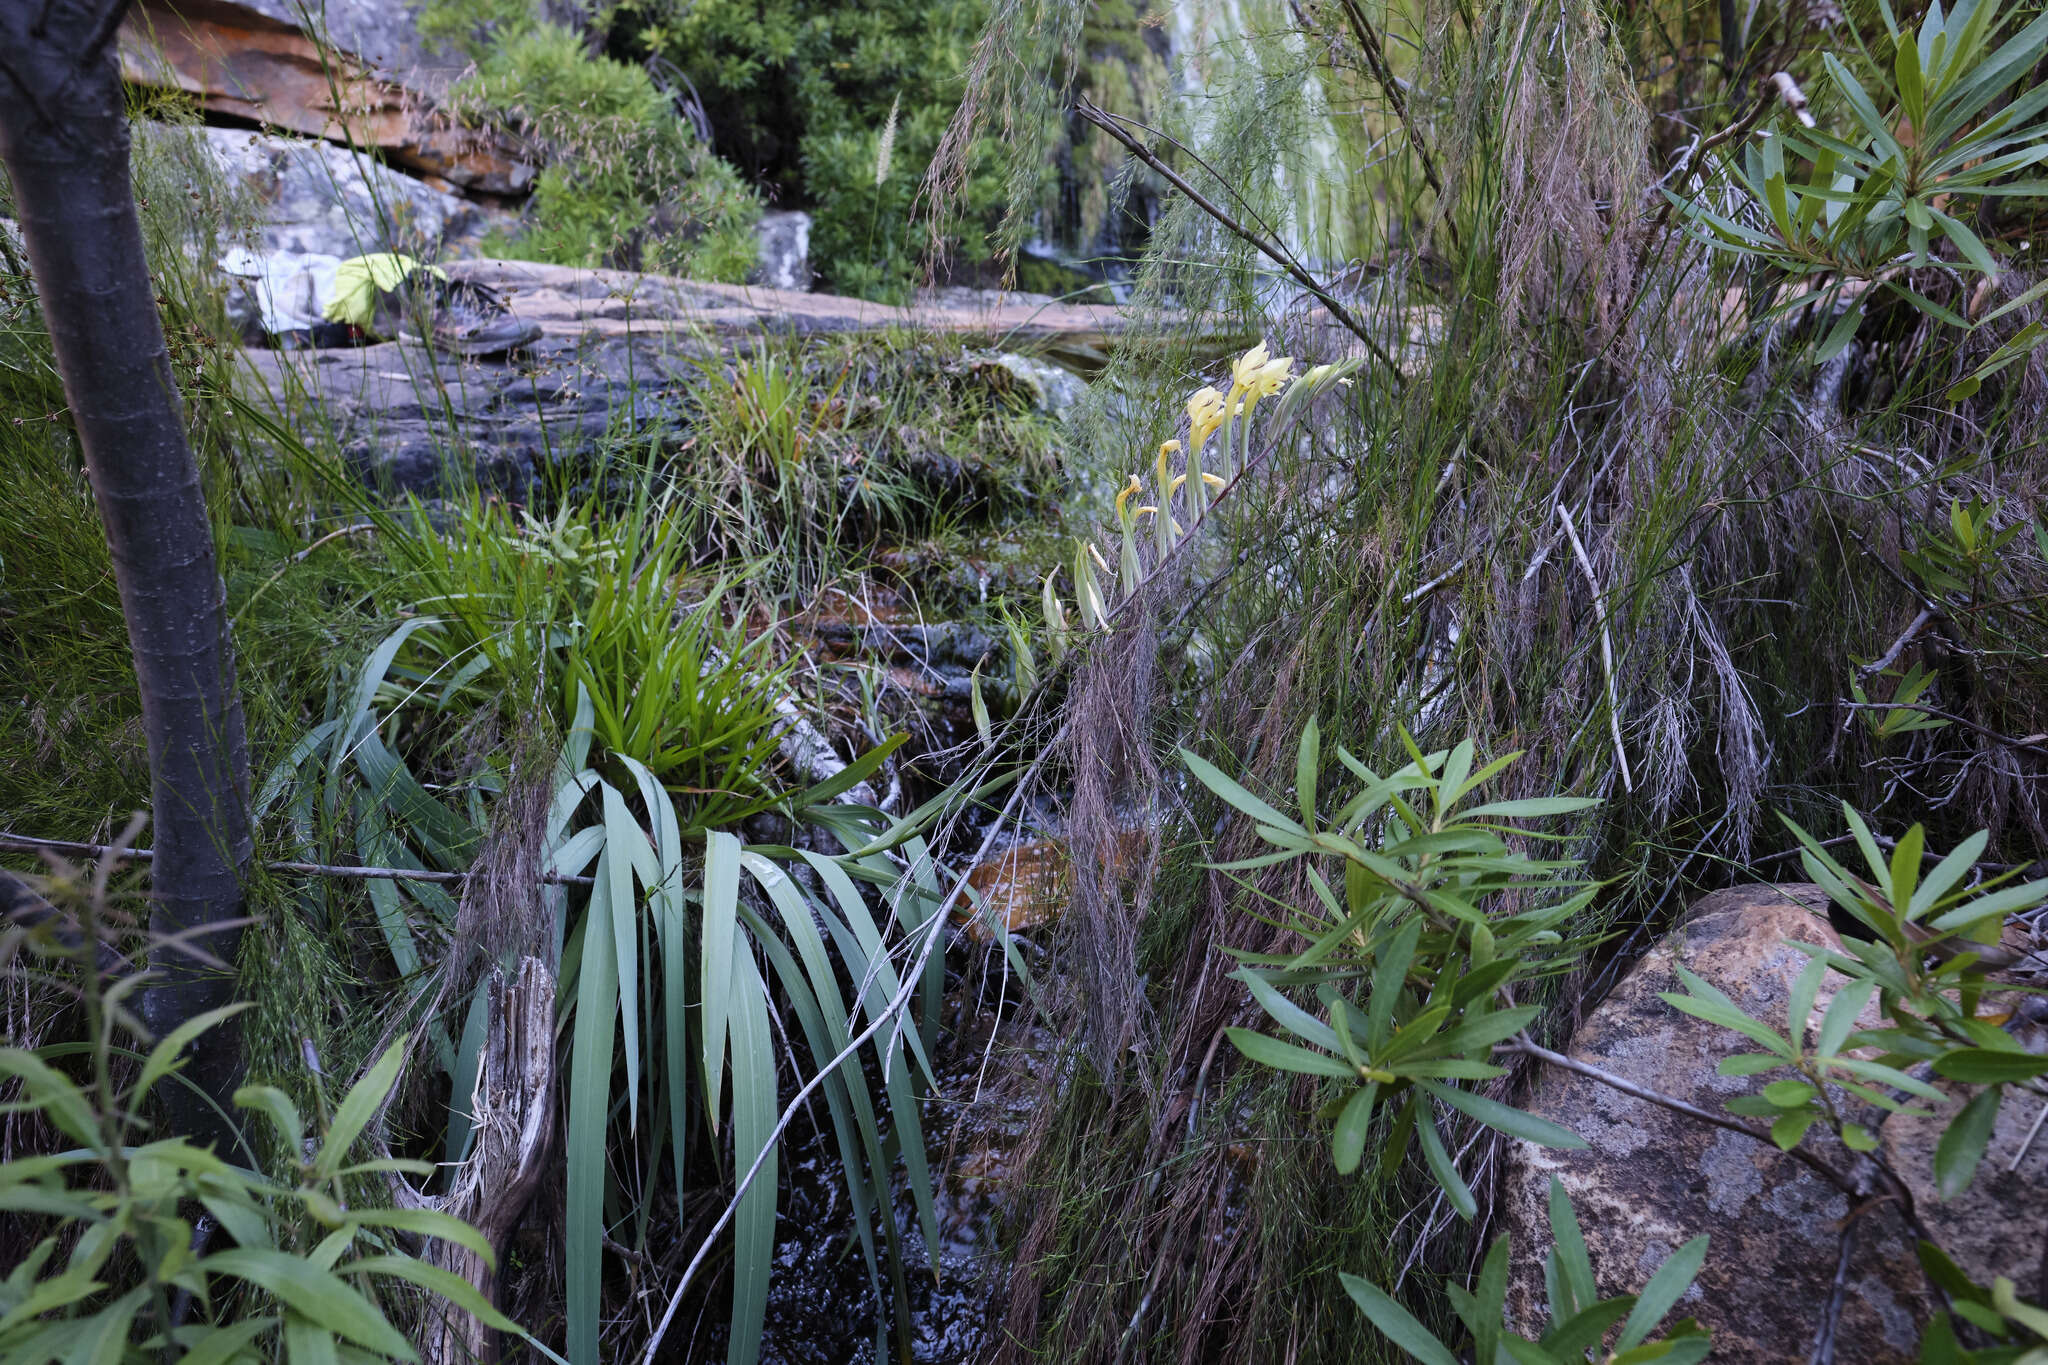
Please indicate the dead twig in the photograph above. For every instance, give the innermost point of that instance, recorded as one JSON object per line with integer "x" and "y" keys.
{"x": 1606, "y": 646}
{"x": 1890, "y": 656}
{"x": 1824, "y": 1343}
{"x": 1524, "y": 1047}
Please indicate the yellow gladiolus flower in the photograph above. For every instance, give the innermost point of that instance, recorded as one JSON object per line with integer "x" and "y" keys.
{"x": 1270, "y": 378}
{"x": 1248, "y": 365}
{"x": 1205, "y": 413}
{"x": 1126, "y": 493}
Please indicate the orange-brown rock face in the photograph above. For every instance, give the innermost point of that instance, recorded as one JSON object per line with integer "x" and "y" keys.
{"x": 238, "y": 61}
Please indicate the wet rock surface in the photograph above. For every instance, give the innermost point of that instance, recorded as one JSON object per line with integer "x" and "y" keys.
{"x": 407, "y": 417}
{"x": 1652, "y": 1180}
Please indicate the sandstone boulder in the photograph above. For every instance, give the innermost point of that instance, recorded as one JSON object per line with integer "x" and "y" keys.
{"x": 1652, "y": 1179}
{"x": 319, "y": 199}
{"x": 1999, "y": 1226}
{"x": 785, "y": 239}
{"x": 356, "y": 74}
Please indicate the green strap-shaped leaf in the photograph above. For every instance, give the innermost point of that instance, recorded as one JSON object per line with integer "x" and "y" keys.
{"x": 363, "y": 1100}
{"x": 1227, "y": 788}
{"x": 320, "y": 1297}
{"x": 219, "y": 1345}
{"x": 1663, "y": 1292}
{"x": 1575, "y": 1267}
{"x": 1989, "y": 1066}
{"x": 1962, "y": 1144}
{"x": 824, "y": 1016}
{"x": 433, "y": 1223}
{"x": 445, "y": 1283}
{"x": 355, "y": 715}
{"x": 717, "y": 954}
{"x": 469, "y": 1057}
{"x": 754, "y": 1109}
{"x": 166, "y": 1053}
{"x": 1442, "y": 1167}
{"x": 668, "y": 899}
{"x": 628, "y": 848}
{"x": 1287, "y": 1057}
{"x": 449, "y": 840}
{"x": 589, "y": 1104}
{"x": 1396, "y": 1323}
{"x": 1287, "y": 1014}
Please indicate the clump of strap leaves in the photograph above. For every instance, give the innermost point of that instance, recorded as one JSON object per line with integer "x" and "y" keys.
{"x": 1421, "y": 950}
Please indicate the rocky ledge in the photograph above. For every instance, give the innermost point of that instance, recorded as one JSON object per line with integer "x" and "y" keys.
{"x": 617, "y": 354}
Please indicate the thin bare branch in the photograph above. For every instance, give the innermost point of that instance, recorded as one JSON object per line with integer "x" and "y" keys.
{"x": 1271, "y": 249}
{"x": 294, "y": 868}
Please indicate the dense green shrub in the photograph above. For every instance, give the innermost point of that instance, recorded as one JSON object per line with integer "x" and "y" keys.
{"x": 835, "y": 108}
{"x": 802, "y": 98}
{"x": 626, "y": 183}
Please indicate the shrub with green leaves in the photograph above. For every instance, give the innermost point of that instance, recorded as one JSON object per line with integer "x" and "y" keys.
{"x": 1579, "y": 1319}
{"x": 1415, "y": 966}
{"x": 624, "y": 182}
{"x": 1924, "y": 961}
{"x": 1847, "y": 219}
{"x": 804, "y": 97}
{"x": 124, "y": 1210}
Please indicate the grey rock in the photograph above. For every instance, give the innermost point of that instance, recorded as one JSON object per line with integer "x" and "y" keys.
{"x": 317, "y": 199}
{"x": 1651, "y": 1180}
{"x": 785, "y": 251}
{"x": 1999, "y": 1225}
{"x": 385, "y": 34}
{"x": 410, "y": 420}
{"x": 274, "y": 292}
{"x": 1051, "y": 388}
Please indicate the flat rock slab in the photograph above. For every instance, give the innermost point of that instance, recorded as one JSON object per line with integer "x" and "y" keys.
{"x": 617, "y": 353}
{"x": 1651, "y": 1180}
{"x": 569, "y": 301}
{"x": 406, "y": 416}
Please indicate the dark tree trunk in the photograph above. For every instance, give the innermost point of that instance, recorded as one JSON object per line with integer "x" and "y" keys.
{"x": 64, "y": 140}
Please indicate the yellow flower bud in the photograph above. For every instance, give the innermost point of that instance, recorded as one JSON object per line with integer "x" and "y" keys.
{"x": 1205, "y": 413}
{"x": 1125, "y": 494}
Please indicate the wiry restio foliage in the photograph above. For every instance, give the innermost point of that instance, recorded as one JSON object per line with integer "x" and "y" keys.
{"x": 1591, "y": 498}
